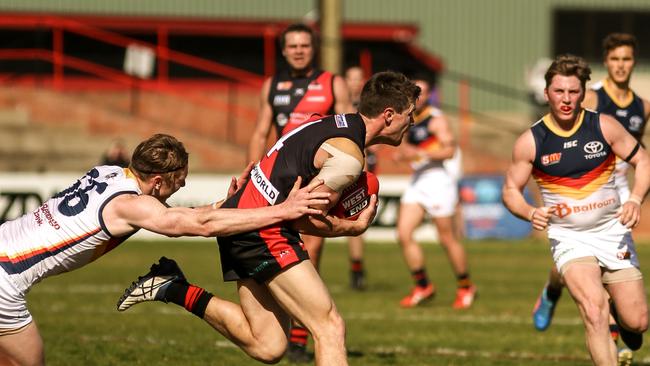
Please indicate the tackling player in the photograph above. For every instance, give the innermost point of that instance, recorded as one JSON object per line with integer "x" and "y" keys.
{"x": 275, "y": 279}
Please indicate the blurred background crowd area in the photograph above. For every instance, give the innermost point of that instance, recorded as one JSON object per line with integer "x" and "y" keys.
{"x": 194, "y": 68}
{"x": 79, "y": 76}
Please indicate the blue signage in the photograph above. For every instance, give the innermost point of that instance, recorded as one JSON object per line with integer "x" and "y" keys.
{"x": 484, "y": 215}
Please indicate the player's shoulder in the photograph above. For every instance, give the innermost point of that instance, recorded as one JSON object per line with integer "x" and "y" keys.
{"x": 596, "y": 86}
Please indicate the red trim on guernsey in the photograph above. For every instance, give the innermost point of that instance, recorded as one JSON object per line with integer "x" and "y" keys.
{"x": 580, "y": 182}
{"x": 278, "y": 246}
{"x": 54, "y": 248}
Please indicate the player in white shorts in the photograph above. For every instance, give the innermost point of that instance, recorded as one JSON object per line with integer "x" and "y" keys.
{"x": 432, "y": 151}
{"x": 571, "y": 152}
{"x": 101, "y": 210}
{"x": 612, "y": 96}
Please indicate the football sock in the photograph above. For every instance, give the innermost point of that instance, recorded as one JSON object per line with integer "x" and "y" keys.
{"x": 194, "y": 299}
{"x": 298, "y": 335}
{"x": 356, "y": 265}
{"x": 420, "y": 277}
{"x": 553, "y": 293}
{"x": 463, "y": 281}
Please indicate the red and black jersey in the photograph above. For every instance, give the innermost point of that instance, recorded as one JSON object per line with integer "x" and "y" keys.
{"x": 295, "y": 99}
{"x": 262, "y": 252}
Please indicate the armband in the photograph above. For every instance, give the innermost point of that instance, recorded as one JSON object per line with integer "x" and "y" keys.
{"x": 634, "y": 151}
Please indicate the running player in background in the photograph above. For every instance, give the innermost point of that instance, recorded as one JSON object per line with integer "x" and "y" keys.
{"x": 434, "y": 155}
{"x": 288, "y": 99}
{"x": 275, "y": 280}
{"x": 571, "y": 152}
{"x": 96, "y": 214}
{"x": 612, "y": 96}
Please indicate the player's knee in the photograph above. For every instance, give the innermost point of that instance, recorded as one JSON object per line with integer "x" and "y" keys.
{"x": 271, "y": 352}
{"x": 404, "y": 236}
{"x": 595, "y": 313}
{"x": 332, "y": 328}
{"x": 638, "y": 323}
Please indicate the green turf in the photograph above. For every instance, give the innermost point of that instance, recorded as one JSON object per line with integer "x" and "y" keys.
{"x": 80, "y": 326}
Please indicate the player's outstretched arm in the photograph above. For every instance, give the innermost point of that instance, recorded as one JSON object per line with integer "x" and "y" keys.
{"x": 127, "y": 213}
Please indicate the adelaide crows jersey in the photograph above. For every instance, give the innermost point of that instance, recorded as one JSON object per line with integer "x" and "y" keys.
{"x": 420, "y": 136}
{"x": 574, "y": 170}
{"x": 67, "y": 231}
{"x": 629, "y": 112}
{"x": 295, "y": 99}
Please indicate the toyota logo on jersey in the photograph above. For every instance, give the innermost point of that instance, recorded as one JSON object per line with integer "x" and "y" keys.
{"x": 593, "y": 147}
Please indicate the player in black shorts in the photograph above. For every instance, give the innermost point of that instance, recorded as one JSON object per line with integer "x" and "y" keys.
{"x": 275, "y": 282}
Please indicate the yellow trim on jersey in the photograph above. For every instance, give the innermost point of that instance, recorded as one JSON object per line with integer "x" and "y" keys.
{"x": 578, "y": 193}
{"x": 129, "y": 173}
{"x": 419, "y": 117}
{"x": 629, "y": 97}
{"x": 562, "y": 133}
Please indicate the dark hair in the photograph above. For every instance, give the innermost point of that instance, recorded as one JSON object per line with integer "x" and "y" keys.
{"x": 568, "y": 65}
{"x": 615, "y": 40}
{"x": 158, "y": 155}
{"x": 298, "y": 27}
{"x": 387, "y": 89}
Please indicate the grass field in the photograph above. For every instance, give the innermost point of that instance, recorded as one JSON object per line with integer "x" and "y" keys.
{"x": 80, "y": 326}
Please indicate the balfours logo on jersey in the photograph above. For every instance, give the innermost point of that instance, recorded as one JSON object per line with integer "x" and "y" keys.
{"x": 594, "y": 149}
{"x": 562, "y": 209}
{"x": 281, "y": 100}
{"x": 263, "y": 185}
{"x": 551, "y": 159}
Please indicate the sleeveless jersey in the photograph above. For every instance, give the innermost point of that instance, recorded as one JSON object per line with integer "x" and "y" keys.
{"x": 67, "y": 231}
{"x": 273, "y": 177}
{"x": 574, "y": 170}
{"x": 629, "y": 112}
{"x": 295, "y": 100}
{"x": 420, "y": 136}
